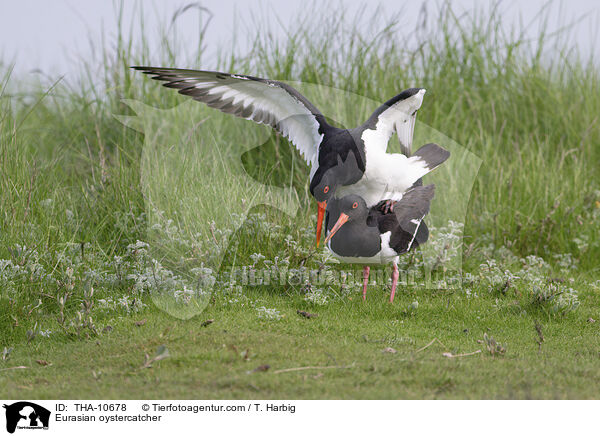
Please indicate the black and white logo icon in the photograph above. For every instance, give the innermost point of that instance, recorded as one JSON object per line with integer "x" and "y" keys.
{"x": 26, "y": 415}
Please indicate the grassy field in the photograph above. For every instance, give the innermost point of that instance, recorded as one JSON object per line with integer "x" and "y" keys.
{"x": 345, "y": 344}
{"x": 131, "y": 218}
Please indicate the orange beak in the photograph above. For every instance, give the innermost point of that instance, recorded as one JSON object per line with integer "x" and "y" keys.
{"x": 320, "y": 215}
{"x": 340, "y": 222}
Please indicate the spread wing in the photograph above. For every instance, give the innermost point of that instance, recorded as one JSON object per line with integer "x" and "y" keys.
{"x": 399, "y": 113}
{"x": 263, "y": 101}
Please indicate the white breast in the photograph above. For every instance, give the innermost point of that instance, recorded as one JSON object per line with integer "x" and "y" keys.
{"x": 387, "y": 175}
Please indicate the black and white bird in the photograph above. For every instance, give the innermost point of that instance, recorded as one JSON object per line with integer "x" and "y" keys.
{"x": 359, "y": 234}
{"x": 342, "y": 161}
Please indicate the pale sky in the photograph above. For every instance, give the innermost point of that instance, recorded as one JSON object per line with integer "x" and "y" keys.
{"x": 50, "y": 35}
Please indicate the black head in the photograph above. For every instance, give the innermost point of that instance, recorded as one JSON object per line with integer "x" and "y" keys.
{"x": 354, "y": 206}
{"x": 346, "y": 209}
{"x": 335, "y": 171}
{"x": 325, "y": 187}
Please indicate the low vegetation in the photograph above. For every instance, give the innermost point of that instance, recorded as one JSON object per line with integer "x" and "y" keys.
{"x": 137, "y": 265}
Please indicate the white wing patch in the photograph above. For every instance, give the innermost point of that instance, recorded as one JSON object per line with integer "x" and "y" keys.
{"x": 276, "y": 107}
{"x": 262, "y": 101}
{"x": 401, "y": 117}
{"x": 387, "y": 175}
{"x": 415, "y": 232}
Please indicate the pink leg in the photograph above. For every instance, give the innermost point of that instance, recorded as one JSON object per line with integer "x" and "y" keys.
{"x": 395, "y": 275}
{"x": 366, "y": 270}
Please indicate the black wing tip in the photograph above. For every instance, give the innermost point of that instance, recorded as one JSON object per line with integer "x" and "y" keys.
{"x": 176, "y": 74}
{"x": 167, "y": 70}
{"x": 407, "y": 93}
{"x": 145, "y": 69}
{"x": 404, "y": 95}
{"x": 149, "y": 68}
{"x": 154, "y": 72}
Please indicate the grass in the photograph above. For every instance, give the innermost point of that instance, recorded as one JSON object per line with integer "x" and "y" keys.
{"x": 350, "y": 336}
{"x": 121, "y": 222}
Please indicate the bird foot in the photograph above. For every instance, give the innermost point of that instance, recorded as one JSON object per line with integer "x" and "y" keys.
{"x": 388, "y": 206}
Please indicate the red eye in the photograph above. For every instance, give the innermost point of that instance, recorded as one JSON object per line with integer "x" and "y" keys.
{"x": 355, "y": 205}
{"x": 326, "y": 189}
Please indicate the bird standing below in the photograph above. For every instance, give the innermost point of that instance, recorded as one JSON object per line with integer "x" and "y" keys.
{"x": 352, "y": 159}
{"x": 359, "y": 234}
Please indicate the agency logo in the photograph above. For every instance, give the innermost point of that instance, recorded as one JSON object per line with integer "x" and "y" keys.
{"x": 26, "y": 415}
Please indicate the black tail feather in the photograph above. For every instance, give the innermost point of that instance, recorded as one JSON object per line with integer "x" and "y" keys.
{"x": 433, "y": 155}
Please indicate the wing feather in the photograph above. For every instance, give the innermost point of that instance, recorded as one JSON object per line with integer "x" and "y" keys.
{"x": 399, "y": 114}
{"x": 263, "y": 101}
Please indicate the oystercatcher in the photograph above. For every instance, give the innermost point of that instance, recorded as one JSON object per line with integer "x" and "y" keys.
{"x": 359, "y": 234}
{"x": 354, "y": 159}
{"x": 373, "y": 188}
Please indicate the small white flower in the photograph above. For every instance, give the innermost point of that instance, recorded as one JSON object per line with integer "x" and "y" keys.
{"x": 316, "y": 296}
{"x": 45, "y": 333}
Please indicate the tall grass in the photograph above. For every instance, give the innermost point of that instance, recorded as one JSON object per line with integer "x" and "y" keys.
{"x": 530, "y": 111}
